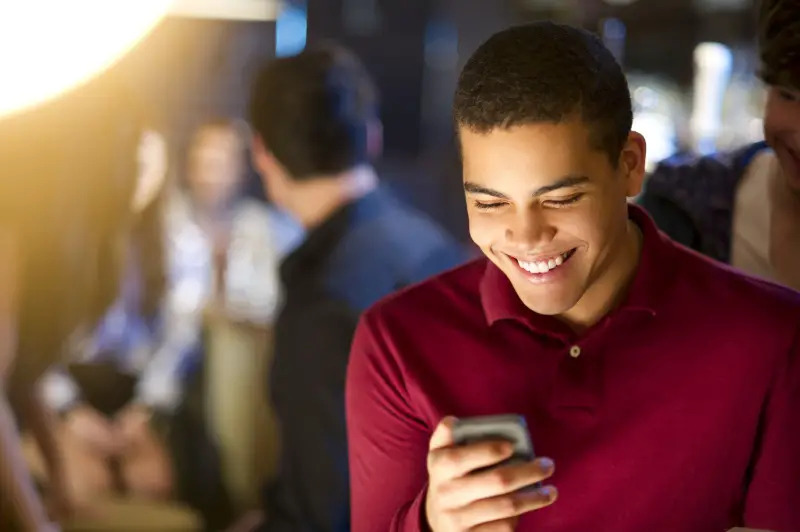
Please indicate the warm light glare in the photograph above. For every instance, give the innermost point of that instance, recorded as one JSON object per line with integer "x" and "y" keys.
{"x": 50, "y": 46}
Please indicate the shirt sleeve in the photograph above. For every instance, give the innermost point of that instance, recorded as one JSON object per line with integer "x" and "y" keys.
{"x": 162, "y": 380}
{"x": 773, "y": 495}
{"x": 388, "y": 443}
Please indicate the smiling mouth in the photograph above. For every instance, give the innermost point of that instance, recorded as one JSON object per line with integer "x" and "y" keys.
{"x": 547, "y": 265}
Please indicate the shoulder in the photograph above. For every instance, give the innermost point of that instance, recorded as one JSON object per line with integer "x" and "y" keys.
{"x": 684, "y": 177}
{"x": 727, "y": 293}
{"x": 412, "y": 239}
{"x": 389, "y": 251}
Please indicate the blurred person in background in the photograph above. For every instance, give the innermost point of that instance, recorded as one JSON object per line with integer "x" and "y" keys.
{"x": 743, "y": 207}
{"x": 104, "y": 408}
{"x": 67, "y": 178}
{"x": 129, "y": 424}
{"x": 317, "y": 132}
{"x": 223, "y": 246}
{"x": 633, "y": 360}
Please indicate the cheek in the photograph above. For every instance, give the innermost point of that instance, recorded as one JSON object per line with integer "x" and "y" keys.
{"x": 781, "y": 118}
{"x": 591, "y": 225}
{"x": 485, "y": 229}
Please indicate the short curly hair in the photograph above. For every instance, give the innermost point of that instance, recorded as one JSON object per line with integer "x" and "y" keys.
{"x": 779, "y": 42}
{"x": 545, "y": 72}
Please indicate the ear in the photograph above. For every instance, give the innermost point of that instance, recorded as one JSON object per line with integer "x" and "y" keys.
{"x": 374, "y": 139}
{"x": 261, "y": 157}
{"x": 632, "y": 163}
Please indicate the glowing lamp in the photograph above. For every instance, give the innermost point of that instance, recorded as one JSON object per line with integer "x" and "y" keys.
{"x": 50, "y": 46}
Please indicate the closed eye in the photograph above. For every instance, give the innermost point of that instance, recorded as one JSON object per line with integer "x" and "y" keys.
{"x": 789, "y": 96}
{"x": 487, "y": 206}
{"x": 564, "y": 202}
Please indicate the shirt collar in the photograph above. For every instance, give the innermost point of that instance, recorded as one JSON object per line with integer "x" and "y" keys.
{"x": 500, "y": 301}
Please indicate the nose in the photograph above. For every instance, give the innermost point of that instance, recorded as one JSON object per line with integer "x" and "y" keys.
{"x": 530, "y": 228}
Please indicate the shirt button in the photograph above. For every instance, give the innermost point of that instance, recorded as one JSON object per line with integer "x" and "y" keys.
{"x": 575, "y": 351}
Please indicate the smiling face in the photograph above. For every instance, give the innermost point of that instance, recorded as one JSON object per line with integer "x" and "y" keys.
{"x": 550, "y": 210}
{"x": 216, "y": 165}
{"x": 782, "y": 131}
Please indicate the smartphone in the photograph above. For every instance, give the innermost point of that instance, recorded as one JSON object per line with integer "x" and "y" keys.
{"x": 509, "y": 427}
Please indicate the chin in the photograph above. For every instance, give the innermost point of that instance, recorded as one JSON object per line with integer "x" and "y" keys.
{"x": 790, "y": 165}
{"x": 547, "y": 308}
{"x": 545, "y": 302}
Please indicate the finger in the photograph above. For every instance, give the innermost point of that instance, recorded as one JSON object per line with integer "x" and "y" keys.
{"x": 506, "y": 506}
{"x": 443, "y": 435}
{"x": 454, "y": 462}
{"x": 499, "y": 481}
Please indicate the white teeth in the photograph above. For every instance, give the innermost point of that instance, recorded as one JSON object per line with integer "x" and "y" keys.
{"x": 543, "y": 266}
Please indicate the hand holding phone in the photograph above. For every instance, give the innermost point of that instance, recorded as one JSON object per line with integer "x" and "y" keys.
{"x": 479, "y": 470}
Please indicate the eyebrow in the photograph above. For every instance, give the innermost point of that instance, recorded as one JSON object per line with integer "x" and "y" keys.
{"x": 564, "y": 182}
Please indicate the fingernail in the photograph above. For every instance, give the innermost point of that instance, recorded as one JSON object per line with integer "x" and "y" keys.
{"x": 547, "y": 491}
{"x": 546, "y": 464}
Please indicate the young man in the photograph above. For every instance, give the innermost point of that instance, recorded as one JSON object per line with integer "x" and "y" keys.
{"x": 743, "y": 208}
{"x": 317, "y": 131}
{"x": 663, "y": 389}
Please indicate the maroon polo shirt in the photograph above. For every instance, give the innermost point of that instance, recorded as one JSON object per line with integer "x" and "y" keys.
{"x": 679, "y": 411}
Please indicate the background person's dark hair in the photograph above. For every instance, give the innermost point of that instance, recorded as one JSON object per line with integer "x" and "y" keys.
{"x": 149, "y": 244}
{"x": 313, "y": 111}
{"x": 545, "y": 72}
{"x": 779, "y": 42}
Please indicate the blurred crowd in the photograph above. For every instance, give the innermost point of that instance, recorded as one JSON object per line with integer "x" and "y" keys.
{"x": 118, "y": 254}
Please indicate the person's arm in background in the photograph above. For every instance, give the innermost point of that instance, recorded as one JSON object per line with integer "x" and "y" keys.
{"x": 19, "y": 502}
{"x": 42, "y": 423}
{"x": 773, "y": 495}
{"x": 161, "y": 385}
{"x": 388, "y": 443}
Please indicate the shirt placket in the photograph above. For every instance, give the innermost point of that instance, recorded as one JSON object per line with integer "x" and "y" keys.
{"x": 578, "y": 386}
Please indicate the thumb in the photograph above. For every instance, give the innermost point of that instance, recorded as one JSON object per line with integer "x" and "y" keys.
{"x": 443, "y": 435}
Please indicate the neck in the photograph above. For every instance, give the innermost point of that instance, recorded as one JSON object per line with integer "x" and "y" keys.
{"x": 608, "y": 290}
{"x": 212, "y": 212}
{"x": 316, "y": 199}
